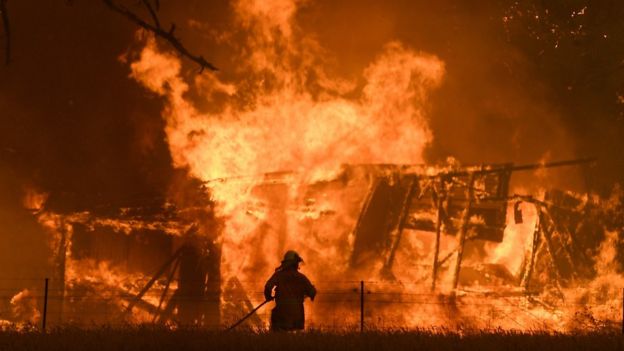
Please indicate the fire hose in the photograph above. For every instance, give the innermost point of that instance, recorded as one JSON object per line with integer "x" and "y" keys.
{"x": 247, "y": 315}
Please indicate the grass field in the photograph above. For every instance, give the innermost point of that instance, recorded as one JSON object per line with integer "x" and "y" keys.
{"x": 195, "y": 339}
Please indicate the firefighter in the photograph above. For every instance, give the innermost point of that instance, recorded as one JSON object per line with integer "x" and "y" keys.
{"x": 291, "y": 287}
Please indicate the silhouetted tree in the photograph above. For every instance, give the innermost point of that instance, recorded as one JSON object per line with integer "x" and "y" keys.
{"x": 153, "y": 25}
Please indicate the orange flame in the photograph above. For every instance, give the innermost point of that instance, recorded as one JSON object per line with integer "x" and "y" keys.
{"x": 286, "y": 113}
{"x": 279, "y": 119}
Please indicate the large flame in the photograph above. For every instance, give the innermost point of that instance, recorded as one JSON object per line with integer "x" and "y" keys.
{"x": 285, "y": 113}
{"x": 288, "y": 114}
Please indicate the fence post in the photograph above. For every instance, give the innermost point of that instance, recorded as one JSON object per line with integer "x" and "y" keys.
{"x": 361, "y": 306}
{"x": 45, "y": 305}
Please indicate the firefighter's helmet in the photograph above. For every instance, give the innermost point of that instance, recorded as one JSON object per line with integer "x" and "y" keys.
{"x": 292, "y": 256}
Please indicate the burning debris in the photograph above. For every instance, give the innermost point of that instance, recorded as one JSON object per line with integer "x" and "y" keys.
{"x": 24, "y": 307}
{"x": 414, "y": 230}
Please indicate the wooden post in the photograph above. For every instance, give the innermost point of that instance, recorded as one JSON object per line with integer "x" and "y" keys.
{"x": 546, "y": 231}
{"x": 164, "y": 293}
{"x": 622, "y": 311}
{"x": 463, "y": 229}
{"x": 66, "y": 231}
{"x": 397, "y": 232}
{"x": 361, "y": 306}
{"x": 436, "y": 249}
{"x": 528, "y": 272}
{"x": 45, "y": 305}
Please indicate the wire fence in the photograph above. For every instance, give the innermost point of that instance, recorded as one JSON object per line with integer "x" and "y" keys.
{"x": 339, "y": 305}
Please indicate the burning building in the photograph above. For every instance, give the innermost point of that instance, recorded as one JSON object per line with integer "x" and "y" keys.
{"x": 281, "y": 152}
{"x": 407, "y": 230}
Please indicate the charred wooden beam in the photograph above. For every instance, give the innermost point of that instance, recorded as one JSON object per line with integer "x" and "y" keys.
{"x": 212, "y": 310}
{"x": 441, "y": 194}
{"x": 192, "y": 282}
{"x": 397, "y": 232}
{"x": 151, "y": 282}
{"x": 530, "y": 260}
{"x": 447, "y": 257}
{"x": 172, "y": 304}
{"x": 56, "y": 307}
{"x": 174, "y": 268}
{"x": 546, "y": 231}
{"x": 141, "y": 304}
{"x": 481, "y": 170}
{"x": 463, "y": 230}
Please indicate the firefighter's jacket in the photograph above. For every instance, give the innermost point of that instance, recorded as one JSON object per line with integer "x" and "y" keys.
{"x": 291, "y": 287}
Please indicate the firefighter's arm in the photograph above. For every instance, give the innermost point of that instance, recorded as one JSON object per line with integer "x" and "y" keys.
{"x": 311, "y": 290}
{"x": 268, "y": 288}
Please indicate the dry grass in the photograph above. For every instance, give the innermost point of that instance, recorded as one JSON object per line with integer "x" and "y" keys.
{"x": 155, "y": 339}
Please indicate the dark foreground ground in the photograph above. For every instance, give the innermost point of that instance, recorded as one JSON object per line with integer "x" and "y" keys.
{"x": 159, "y": 339}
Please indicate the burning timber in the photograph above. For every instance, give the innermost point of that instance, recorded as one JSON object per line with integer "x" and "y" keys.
{"x": 156, "y": 261}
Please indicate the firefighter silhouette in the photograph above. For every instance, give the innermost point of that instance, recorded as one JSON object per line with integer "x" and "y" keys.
{"x": 291, "y": 287}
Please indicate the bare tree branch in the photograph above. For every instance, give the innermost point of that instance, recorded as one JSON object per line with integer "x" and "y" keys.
{"x": 152, "y": 12}
{"x": 7, "y": 31}
{"x": 157, "y": 29}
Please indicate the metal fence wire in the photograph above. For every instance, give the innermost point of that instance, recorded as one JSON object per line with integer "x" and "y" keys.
{"x": 339, "y": 305}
